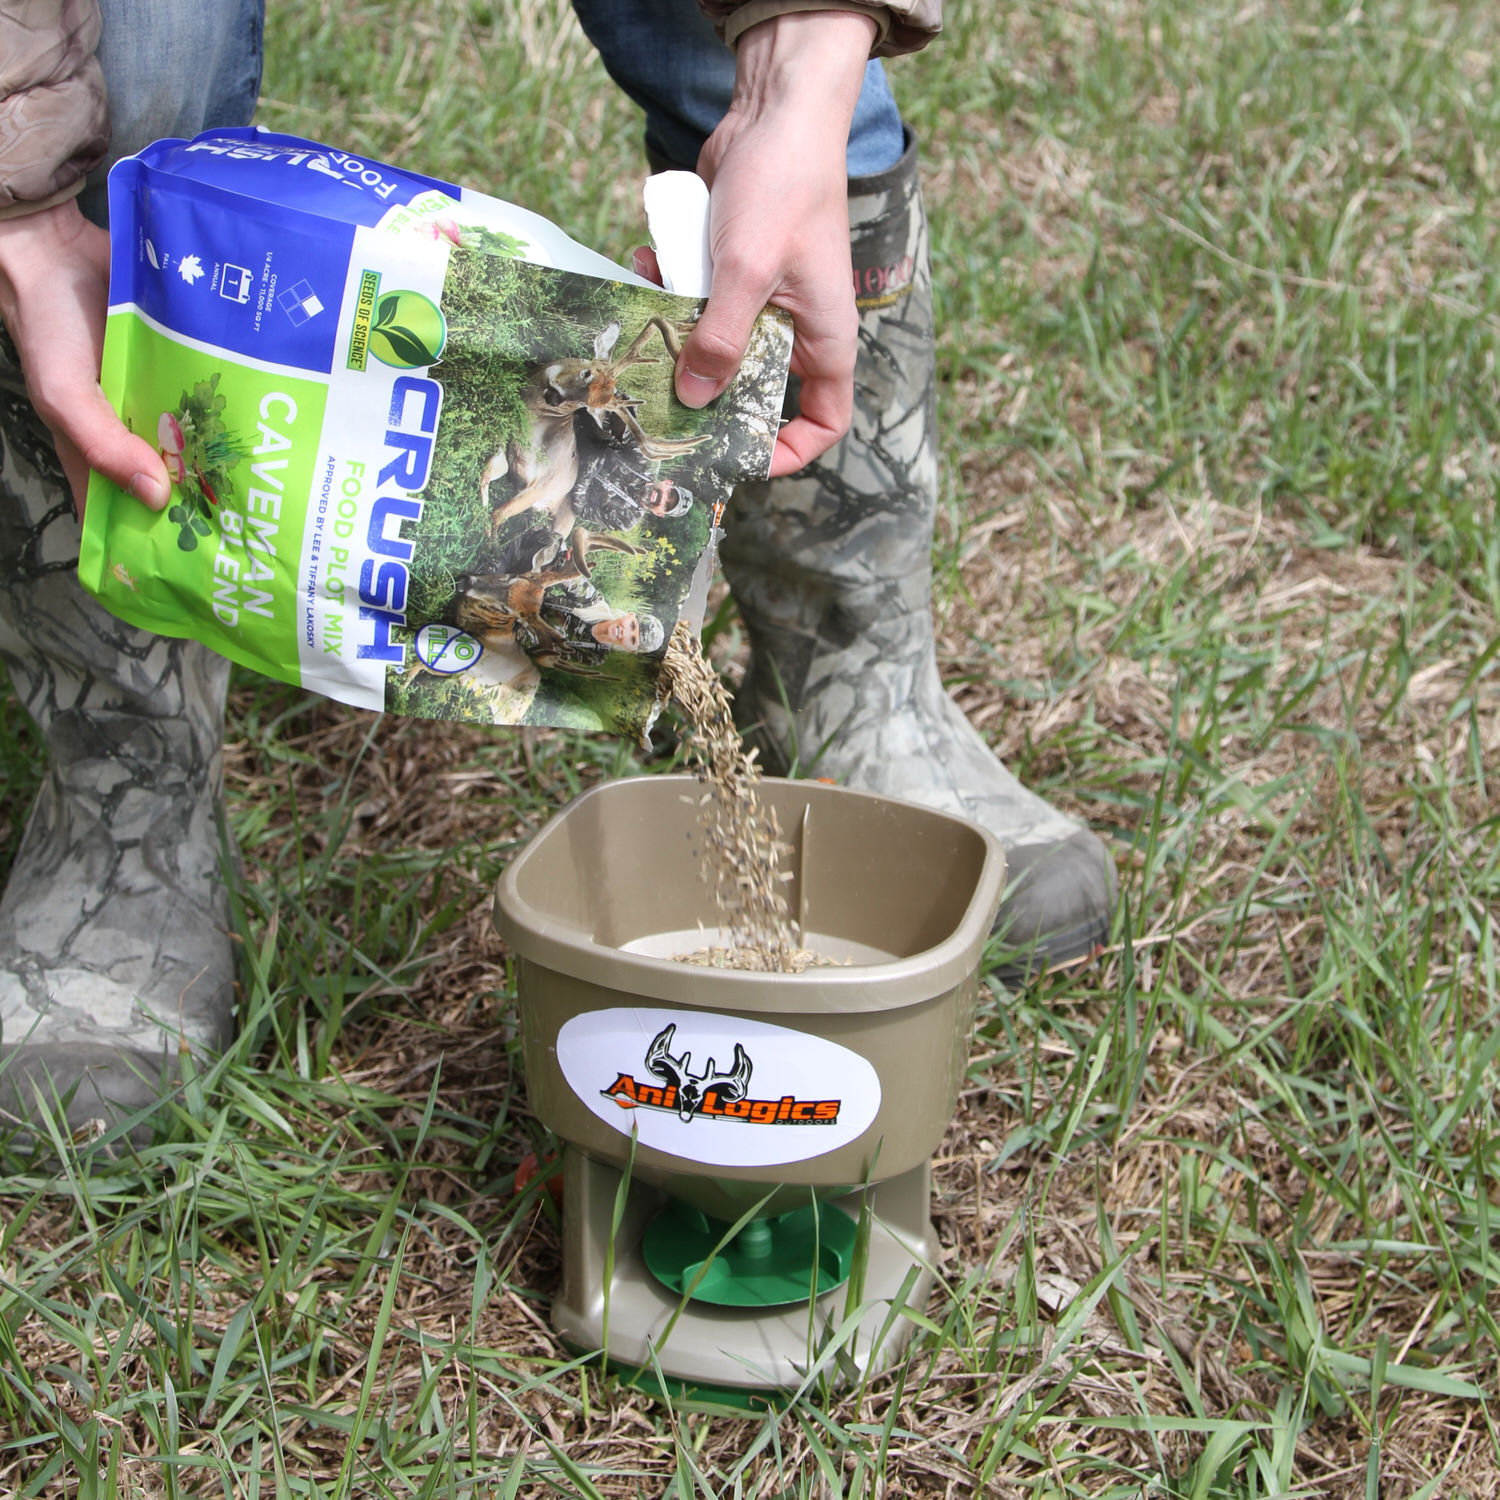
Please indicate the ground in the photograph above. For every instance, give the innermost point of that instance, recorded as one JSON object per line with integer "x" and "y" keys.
{"x": 1218, "y": 572}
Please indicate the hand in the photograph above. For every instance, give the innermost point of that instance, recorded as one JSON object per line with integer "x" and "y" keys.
{"x": 779, "y": 221}
{"x": 54, "y": 292}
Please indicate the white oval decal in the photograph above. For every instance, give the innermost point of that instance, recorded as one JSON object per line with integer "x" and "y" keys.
{"x": 718, "y": 1089}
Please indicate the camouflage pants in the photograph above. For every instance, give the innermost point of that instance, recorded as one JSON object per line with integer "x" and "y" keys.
{"x": 113, "y": 924}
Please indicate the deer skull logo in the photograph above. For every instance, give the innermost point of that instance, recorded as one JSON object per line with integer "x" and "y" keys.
{"x": 693, "y": 1088}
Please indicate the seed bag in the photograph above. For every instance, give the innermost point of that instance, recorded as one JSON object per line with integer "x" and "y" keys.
{"x": 425, "y": 451}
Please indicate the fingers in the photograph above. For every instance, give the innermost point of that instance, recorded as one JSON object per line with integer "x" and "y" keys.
{"x": 779, "y": 235}
{"x": 717, "y": 344}
{"x": 90, "y": 436}
{"x": 54, "y": 280}
{"x": 799, "y": 443}
{"x": 778, "y": 226}
{"x": 825, "y": 333}
{"x": 825, "y": 405}
{"x": 75, "y": 471}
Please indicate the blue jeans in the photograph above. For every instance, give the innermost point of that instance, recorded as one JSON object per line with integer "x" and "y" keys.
{"x": 175, "y": 67}
{"x": 668, "y": 59}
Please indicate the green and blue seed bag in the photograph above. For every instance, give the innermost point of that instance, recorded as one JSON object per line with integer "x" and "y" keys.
{"x": 425, "y": 452}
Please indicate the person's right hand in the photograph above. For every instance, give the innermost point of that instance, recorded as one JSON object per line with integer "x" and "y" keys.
{"x": 54, "y": 292}
{"x": 779, "y": 221}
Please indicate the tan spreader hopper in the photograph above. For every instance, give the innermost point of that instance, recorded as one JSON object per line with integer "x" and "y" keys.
{"x": 773, "y": 1130}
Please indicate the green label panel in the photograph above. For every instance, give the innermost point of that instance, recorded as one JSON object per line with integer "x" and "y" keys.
{"x": 222, "y": 562}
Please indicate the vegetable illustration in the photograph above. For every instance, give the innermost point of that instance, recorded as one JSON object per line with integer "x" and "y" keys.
{"x": 478, "y": 237}
{"x": 171, "y": 441}
{"x": 199, "y": 453}
{"x": 441, "y": 229}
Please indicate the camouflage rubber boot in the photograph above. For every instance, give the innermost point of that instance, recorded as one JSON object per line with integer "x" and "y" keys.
{"x": 832, "y": 572}
{"x": 114, "y": 942}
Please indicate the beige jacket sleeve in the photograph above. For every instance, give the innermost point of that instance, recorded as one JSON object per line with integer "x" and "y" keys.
{"x": 903, "y": 25}
{"x": 54, "y": 117}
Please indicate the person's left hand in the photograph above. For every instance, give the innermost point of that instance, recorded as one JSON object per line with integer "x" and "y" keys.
{"x": 779, "y": 221}
{"x": 54, "y": 293}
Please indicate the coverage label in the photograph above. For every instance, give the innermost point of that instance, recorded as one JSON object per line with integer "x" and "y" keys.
{"x": 718, "y": 1089}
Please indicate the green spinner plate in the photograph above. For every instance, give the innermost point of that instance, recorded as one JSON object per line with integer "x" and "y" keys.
{"x": 768, "y": 1264}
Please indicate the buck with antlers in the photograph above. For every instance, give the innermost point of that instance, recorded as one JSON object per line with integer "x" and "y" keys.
{"x": 693, "y": 1088}
{"x": 572, "y": 398}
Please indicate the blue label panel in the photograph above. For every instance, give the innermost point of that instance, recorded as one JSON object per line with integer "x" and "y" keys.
{"x": 258, "y": 280}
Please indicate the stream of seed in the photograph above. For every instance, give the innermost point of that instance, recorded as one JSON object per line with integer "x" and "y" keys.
{"x": 743, "y": 838}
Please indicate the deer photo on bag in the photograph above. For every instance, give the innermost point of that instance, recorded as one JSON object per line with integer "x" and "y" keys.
{"x": 578, "y": 403}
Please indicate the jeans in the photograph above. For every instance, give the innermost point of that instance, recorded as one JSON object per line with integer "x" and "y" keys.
{"x": 175, "y": 67}
{"x": 668, "y": 59}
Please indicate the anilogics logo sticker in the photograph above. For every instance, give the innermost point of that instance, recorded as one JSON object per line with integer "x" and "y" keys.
{"x": 721, "y": 1090}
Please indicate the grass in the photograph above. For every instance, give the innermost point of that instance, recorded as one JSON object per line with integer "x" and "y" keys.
{"x": 1219, "y": 572}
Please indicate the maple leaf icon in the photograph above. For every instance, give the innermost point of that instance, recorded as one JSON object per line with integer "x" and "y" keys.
{"x": 190, "y": 268}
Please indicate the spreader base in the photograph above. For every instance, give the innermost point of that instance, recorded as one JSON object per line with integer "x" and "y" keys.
{"x": 639, "y": 1322}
